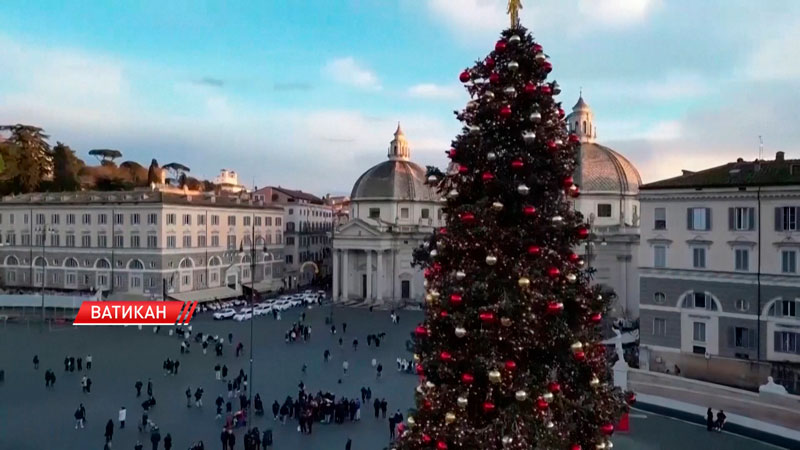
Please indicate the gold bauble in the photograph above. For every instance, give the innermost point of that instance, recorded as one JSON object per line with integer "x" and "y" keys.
{"x": 600, "y": 446}
{"x": 577, "y": 346}
{"x": 411, "y": 421}
{"x": 524, "y": 282}
{"x": 497, "y": 206}
{"x": 449, "y": 417}
{"x": 429, "y": 298}
{"x": 462, "y": 402}
{"x": 491, "y": 260}
{"x": 594, "y": 381}
{"x": 572, "y": 277}
{"x": 435, "y": 294}
{"x": 521, "y": 395}
{"x": 429, "y": 385}
{"x": 505, "y": 321}
{"x": 609, "y": 444}
{"x": 416, "y": 358}
{"x": 494, "y": 376}
{"x": 549, "y": 424}
{"x": 507, "y": 440}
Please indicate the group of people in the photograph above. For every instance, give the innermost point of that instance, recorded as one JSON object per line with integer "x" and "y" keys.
{"x": 296, "y": 331}
{"x": 715, "y": 424}
{"x": 171, "y": 367}
{"x": 321, "y": 407}
{"x": 69, "y": 363}
{"x": 404, "y": 365}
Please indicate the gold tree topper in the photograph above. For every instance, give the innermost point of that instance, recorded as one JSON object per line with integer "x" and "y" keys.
{"x": 513, "y": 10}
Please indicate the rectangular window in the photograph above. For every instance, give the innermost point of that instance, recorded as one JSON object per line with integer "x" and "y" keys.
{"x": 268, "y": 221}
{"x": 787, "y": 342}
{"x": 743, "y": 337}
{"x": 135, "y": 219}
{"x": 170, "y": 219}
{"x": 172, "y": 242}
{"x": 231, "y": 242}
{"x": 699, "y": 219}
{"x": 231, "y": 221}
{"x": 215, "y": 241}
{"x": 214, "y": 220}
{"x": 102, "y": 219}
{"x": 152, "y": 241}
{"x": 86, "y": 241}
{"x": 26, "y": 239}
{"x": 55, "y": 240}
{"x": 38, "y": 239}
{"x": 404, "y": 213}
{"x": 742, "y": 219}
{"x": 699, "y": 258}
{"x": 102, "y": 241}
{"x": 247, "y": 221}
{"x": 659, "y": 326}
{"x": 374, "y": 213}
{"x": 11, "y": 218}
{"x": 187, "y": 241}
{"x": 70, "y": 219}
{"x": 289, "y": 259}
{"x": 258, "y": 221}
{"x": 70, "y": 240}
{"x": 152, "y": 219}
{"x": 119, "y": 219}
{"x": 201, "y": 219}
{"x": 786, "y": 218}
{"x": 699, "y": 332}
{"x": 742, "y": 256}
{"x": 187, "y": 219}
{"x": 24, "y": 221}
{"x": 789, "y": 261}
{"x": 86, "y": 219}
{"x": 604, "y": 210}
{"x": 425, "y": 213}
{"x": 659, "y": 256}
{"x": 119, "y": 241}
{"x": 135, "y": 241}
{"x": 278, "y": 221}
{"x": 11, "y": 238}
{"x": 39, "y": 219}
{"x": 72, "y": 279}
{"x": 55, "y": 219}
{"x": 102, "y": 280}
{"x": 788, "y": 308}
{"x": 660, "y": 216}
{"x": 201, "y": 240}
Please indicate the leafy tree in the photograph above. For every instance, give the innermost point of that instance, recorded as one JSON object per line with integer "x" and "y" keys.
{"x": 66, "y": 167}
{"x": 153, "y": 173}
{"x": 34, "y": 159}
{"x": 105, "y": 154}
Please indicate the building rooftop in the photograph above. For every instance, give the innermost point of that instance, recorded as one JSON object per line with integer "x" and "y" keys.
{"x": 777, "y": 172}
{"x": 311, "y": 198}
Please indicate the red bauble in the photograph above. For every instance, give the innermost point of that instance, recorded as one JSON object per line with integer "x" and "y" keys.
{"x": 607, "y": 429}
{"x": 489, "y": 62}
{"x": 451, "y": 153}
{"x": 567, "y": 182}
{"x": 437, "y": 267}
{"x": 517, "y": 164}
{"x": 445, "y": 356}
{"x": 486, "y": 316}
{"x": 494, "y": 78}
{"x": 573, "y": 138}
{"x": 427, "y": 273}
{"x": 467, "y": 378}
{"x": 545, "y": 89}
{"x": 542, "y": 404}
{"x": 583, "y": 232}
{"x": 560, "y": 112}
{"x": 442, "y": 230}
{"x": 555, "y": 307}
{"x": 427, "y": 404}
{"x": 443, "y": 314}
{"x": 505, "y": 111}
{"x": 455, "y": 298}
{"x": 596, "y": 318}
{"x": 467, "y": 217}
{"x": 500, "y": 45}
{"x": 511, "y": 365}
{"x": 576, "y": 447}
{"x": 534, "y": 250}
{"x": 580, "y": 355}
{"x": 631, "y": 398}
{"x": 426, "y": 439}
{"x": 529, "y": 210}
{"x": 420, "y": 369}
{"x": 574, "y": 191}
{"x": 554, "y": 387}
{"x": 465, "y": 76}
{"x": 488, "y": 407}
{"x": 553, "y": 272}
{"x": 530, "y": 88}
{"x": 441, "y": 445}
{"x": 421, "y": 331}
{"x": 401, "y": 428}
{"x": 462, "y": 169}
{"x": 552, "y": 145}
{"x": 574, "y": 257}
{"x": 547, "y": 66}
{"x": 537, "y": 48}
{"x": 487, "y": 177}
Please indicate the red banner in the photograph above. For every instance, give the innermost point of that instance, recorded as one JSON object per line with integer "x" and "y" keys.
{"x": 135, "y": 313}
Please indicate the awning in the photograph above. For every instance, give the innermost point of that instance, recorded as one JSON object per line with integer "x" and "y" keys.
{"x": 206, "y": 295}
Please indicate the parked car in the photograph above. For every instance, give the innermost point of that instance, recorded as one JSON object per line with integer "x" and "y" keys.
{"x": 242, "y": 316}
{"x": 262, "y": 309}
{"x": 281, "y": 305}
{"x": 226, "y": 313}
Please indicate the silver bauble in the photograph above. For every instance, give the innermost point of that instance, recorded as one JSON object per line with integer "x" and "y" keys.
{"x": 540, "y": 56}
{"x": 559, "y": 142}
{"x": 521, "y": 395}
{"x": 453, "y": 193}
{"x": 429, "y": 385}
{"x": 460, "y": 275}
{"x": 507, "y": 440}
{"x": 510, "y": 92}
{"x": 513, "y": 65}
{"x": 571, "y": 277}
{"x": 433, "y": 179}
{"x": 548, "y": 397}
{"x": 488, "y": 96}
{"x": 491, "y": 260}
{"x": 535, "y": 116}
{"x": 460, "y": 332}
{"x": 434, "y": 253}
{"x": 556, "y": 89}
{"x": 529, "y": 137}
{"x": 523, "y": 190}
{"x": 549, "y": 424}
{"x": 514, "y": 39}
{"x": 462, "y": 402}
{"x": 557, "y": 219}
{"x": 474, "y": 129}
{"x": 491, "y": 156}
{"x": 497, "y": 206}
{"x": 472, "y": 104}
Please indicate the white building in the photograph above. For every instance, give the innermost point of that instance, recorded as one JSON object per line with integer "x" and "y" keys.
{"x": 392, "y": 211}
{"x": 228, "y": 181}
{"x": 719, "y": 264}
{"x": 609, "y": 186}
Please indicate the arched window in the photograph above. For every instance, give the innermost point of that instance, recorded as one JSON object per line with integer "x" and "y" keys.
{"x": 246, "y": 259}
{"x": 784, "y": 308}
{"x": 136, "y": 264}
{"x": 584, "y": 127}
{"x": 102, "y": 264}
{"x": 699, "y": 300}
{"x": 70, "y": 262}
{"x": 186, "y": 263}
{"x": 215, "y": 261}
{"x": 39, "y": 261}
{"x": 12, "y": 260}
{"x": 659, "y": 298}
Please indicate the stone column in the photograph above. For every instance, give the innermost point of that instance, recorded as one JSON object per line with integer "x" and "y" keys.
{"x": 335, "y": 291}
{"x": 379, "y": 278}
{"x": 345, "y": 275}
{"x": 369, "y": 275}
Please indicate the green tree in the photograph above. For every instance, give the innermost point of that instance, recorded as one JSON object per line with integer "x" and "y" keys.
{"x": 34, "y": 159}
{"x": 510, "y": 354}
{"x": 66, "y": 167}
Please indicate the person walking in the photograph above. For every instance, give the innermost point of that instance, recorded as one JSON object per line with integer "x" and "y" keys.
{"x": 266, "y": 442}
{"x": 391, "y": 428}
{"x": 138, "y": 446}
{"x": 223, "y": 437}
{"x": 219, "y": 402}
{"x": 224, "y": 371}
{"x": 275, "y": 408}
{"x": 123, "y": 414}
{"x": 149, "y": 387}
{"x": 155, "y": 437}
{"x": 79, "y": 418}
{"x": 188, "y": 394}
{"x": 138, "y": 387}
{"x": 345, "y": 366}
{"x": 721, "y": 417}
{"x": 218, "y": 372}
{"x": 231, "y": 440}
{"x": 198, "y": 397}
{"x": 88, "y": 362}
{"x": 383, "y": 407}
{"x": 377, "y": 405}
{"x": 35, "y": 362}
{"x": 379, "y": 369}
{"x": 168, "y": 442}
{"x": 109, "y": 434}
{"x": 709, "y": 420}
{"x": 83, "y": 384}
{"x": 88, "y": 385}
{"x": 349, "y": 444}
{"x": 344, "y": 327}
{"x": 326, "y": 355}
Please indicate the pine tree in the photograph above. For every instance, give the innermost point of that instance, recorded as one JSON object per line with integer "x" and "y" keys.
{"x": 65, "y": 168}
{"x": 34, "y": 159}
{"x": 509, "y": 354}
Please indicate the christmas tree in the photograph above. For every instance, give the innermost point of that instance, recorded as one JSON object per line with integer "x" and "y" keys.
{"x": 509, "y": 355}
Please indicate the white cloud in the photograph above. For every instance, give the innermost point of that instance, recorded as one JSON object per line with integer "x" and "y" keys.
{"x": 673, "y": 86}
{"x": 348, "y": 71}
{"x": 434, "y": 91}
{"x": 483, "y": 15}
{"x": 617, "y": 12}
{"x": 776, "y": 57}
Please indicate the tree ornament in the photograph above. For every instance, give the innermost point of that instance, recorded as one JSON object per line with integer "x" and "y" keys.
{"x": 535, "y": 117}
{"x": 530, "y": 88}
{"x": 487, "y": 177}
{"x": 472, "y": 104}
{"x": 540, "y": 56}
{"x": 552, "y": 145}
{"x": 580, "y": 355}
{"x": 505, "y": 321}
{"x": 529, "y": 210}
{"x": 462, "y": 402}
{"x": 455, "y": 298}
{"x": 505, "y": 111}
{"x": 523, "y": 190}
{"x": 488, "y": 96}
{"x": 529, "y": 137}
{"x": 607, "y": 429}
{"x": 594, "y": 382}
{"x": 513, "y": 66}
{"x": 560, "y": 110}
{"x": 426, "y": 439}
{"x": 576, "y": 447}
{"x": 491, "y": 260}
{"x": 467, "y": 378}
{"x": 465, "y": 76}
{"x": 517, "y": 164}
{"x": 429, "y": 298}
{"x": 441, "y": 445}
{"x": 549, "y": 424}
{"x": 452, "y": 153}
{"x": 545, "y": 89}
{"x": 556, "y": 91}
{"x": 555, "y": 307}
{"x": 609, "y": 444}
{"x": 494, "y": 376}
{"x": 511, "y": 365}
{"x": 576, "y": 346}
{"x": 460, "y": 275}
{"x": 486, "y": 317}
{"x": 542, "y": 404}
{"x": 534, "y": 250}
{"x": 524, "y": 282}
{"x": 453, "y": 193}
{"x": 554, "y": 387}
{"x": 514, "y": 39}
{"x": 630, "y": 398}
{"x": 461, "y": 332}
{"x": 416, "y": 358}
{"x": 548, "y": 67}
{"x": 573, "y": 138}
{"x": 445, "y": 356}
{"x": 421, "y": 331}
{"x": 557, "y": 219}
{"x": 574, "y": 257}
{"x": 474, "y": 129}
{"x": 411, "y": 421}
{"x": 510, "y": 92}
{"x": 462, "y": 169}
{"x": 521, "y": 395}
{"x": 500, "y": 45}
{"x": 574, "y": 191}
{"x": 497, "y": 206}
{"x": 494, "y": 78}
{"x": 488, "y": 407}
{"x": 420, "y": 369}
{"x": 553, "y": 272}
{"x": 432, "y": 179}
{"x": 467, "y": 217}
{"x": 434, "y": 253}
{"x": 489, "y": 62}
{"x": 583, "y": 232}
{"x": 548, "y": 397}
{"x": 491, "y": 156}
{"x": 571, "y": 277}
{"x": 568, "y": 182}
{"x": 596, "y": 318}
{"x": 559, "y": 142}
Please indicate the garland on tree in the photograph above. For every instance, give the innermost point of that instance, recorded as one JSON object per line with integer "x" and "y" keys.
{"x": 509, "y": 355}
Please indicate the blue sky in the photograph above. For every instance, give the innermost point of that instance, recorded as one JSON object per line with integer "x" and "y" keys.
{"x": 306, "y": 93}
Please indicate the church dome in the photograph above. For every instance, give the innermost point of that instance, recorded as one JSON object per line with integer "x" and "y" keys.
{"x": 395, "y": 179}
{"x": 600, "y": 169}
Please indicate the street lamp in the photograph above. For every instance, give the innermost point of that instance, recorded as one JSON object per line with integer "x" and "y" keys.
{"x": 44, "y": 231}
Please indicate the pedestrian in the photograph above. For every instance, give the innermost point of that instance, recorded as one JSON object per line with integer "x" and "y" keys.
{"x": 709, "y": 420}
{"x": 218, "y": 372}
{"x": 383, "y": 407}
{"x": 88, "y": 385}
{"x": 149, "y": 387}
{"x": 275, "y": 408}
{"x": 83, "y": 411}
{"x": 80, "y": 364}
{"x": 355, "y": 344}
{"x": 344, "y": 327}
{"x": 188, "y": 394}
{"x": 198, "y": 397}
{"x": 230, "y": 338}
{"x": 83, "y": 384}
{"x": 72, "y": 364}
{"x": 345, "y": 366}
{"x": 123, "y": 414}
{"x": 267, "y": 439}
{"x": 721, "y": 417}
{"x": 109, "y": 430}
{"x": 78, "y": 418}
{"x": 340, "y": 342}
{"x": 155, "y": 437}
{"x": 138, "y": 387}
{"x": 138, "y": 446}
{"x": 333, "y": 329}
{"x": 349, "y": 444}
{"x": 379, "y": 370}
{"x": 224, "y": 371}
{"x": 304, "y": 369}
{"x": 175, "y": 367}
{"x": 326, "y": 356}
{"x": 223, "y": 437}
{"x": 231, "y": 440}
{"x": 35, "y": 362}
{"x": 391, "y": 426}
{"x": 88, "y": 362}
{"x": 168, "y": 442}
{"x": 377, "y": 405}
{"x": 143, "y": 423}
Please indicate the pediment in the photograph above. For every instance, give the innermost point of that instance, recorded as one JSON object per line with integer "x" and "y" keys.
{"x": 356, "y": 228}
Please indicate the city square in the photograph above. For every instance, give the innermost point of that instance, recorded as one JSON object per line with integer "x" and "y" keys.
{"x": 34, "y": 417}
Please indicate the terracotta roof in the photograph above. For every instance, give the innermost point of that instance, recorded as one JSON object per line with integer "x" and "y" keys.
{"x": 778, "y": 172}
{"x": 294, "y": 194}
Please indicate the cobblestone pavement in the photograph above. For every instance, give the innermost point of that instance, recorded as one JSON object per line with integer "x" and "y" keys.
{"x": 32, "y": 417}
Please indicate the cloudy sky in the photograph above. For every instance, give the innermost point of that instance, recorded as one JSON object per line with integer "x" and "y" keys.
{"x": 306, "y": 93}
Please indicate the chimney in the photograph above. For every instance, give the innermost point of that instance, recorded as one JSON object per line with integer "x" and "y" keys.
{"x": 739, "y": 160}
{"x": 779, "y": 156}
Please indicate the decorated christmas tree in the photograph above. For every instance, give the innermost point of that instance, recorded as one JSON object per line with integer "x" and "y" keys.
{"x": 509, "y": 355}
